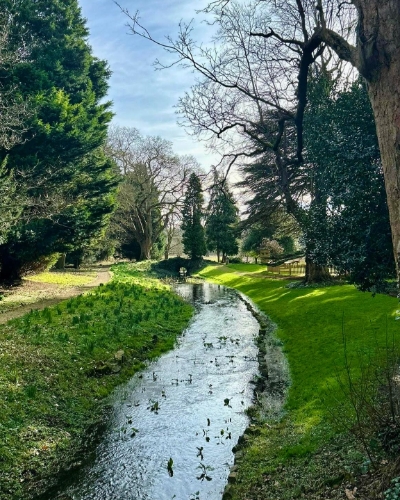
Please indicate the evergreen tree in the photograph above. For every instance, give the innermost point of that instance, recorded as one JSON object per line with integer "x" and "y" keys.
{"x": 60, "y": 168}
{"x": 222, "y": 221}
{"x": 350, "y": 228}
{"x": 193, "y": 232}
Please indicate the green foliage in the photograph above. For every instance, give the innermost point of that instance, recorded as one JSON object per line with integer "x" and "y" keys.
{"x": 345, "y": 224}
{"x": 348, "y": 223}
{"x": 222, "y": 220}
{"x": 310, "y": 328}
{"x": 287, "y": 243}
{"x": 253, "y": 238}
{"x": 58, "y": 365}
{"x": 193, "y": 232}
{"x": 66, "y": 180}
{"x": 393, "y": 493}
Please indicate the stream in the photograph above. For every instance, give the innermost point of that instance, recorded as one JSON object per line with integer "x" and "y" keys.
{"x": 173, "y": 426}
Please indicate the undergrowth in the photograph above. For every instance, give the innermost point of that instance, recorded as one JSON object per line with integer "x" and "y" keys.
{"x": 57, "y": 366}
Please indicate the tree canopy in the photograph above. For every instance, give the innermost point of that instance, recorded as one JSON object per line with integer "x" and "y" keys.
{"x": 222, "y": 220}
{"x": 194, "y": 243}
{"x": 64, "y": 179}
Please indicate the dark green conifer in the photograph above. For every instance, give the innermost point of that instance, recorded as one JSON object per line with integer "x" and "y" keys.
{"x": 66, "y": 180}
{"x": 222, "y": 221}
{"x": 193, "y": 232}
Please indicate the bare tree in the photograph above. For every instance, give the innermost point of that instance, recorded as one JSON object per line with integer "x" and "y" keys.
{"x": 153, "y": 186}
{"x": 13, "y": 111}
{"x": 258, "y": 69}
{"x": 14, "y": 115}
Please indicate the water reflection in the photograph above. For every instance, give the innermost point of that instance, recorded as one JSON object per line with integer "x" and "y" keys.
{"x": 173, "y": 426}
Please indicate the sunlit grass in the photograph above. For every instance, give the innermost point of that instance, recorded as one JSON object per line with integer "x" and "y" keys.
{"x": 310, "y": 325}
{"x": 63, "y": 278}
{"x": 248, "y": 268}
{"x": 58, "y": 364}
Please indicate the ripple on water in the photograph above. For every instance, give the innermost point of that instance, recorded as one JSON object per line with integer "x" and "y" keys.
{"x": 187, "y": 406}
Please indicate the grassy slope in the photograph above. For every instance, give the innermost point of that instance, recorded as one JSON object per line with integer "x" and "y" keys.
{"x": 310, "y": 326}
{"x": 56, "y": 365}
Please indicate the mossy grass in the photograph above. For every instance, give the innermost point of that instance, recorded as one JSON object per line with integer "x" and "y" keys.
{"x": 58, "y": 365}
{"x": 305, "y": 454}
{"x": 67, "y": 278}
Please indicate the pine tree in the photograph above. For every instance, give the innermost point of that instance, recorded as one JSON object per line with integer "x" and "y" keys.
{"x": 193, "y": 232}
{"x": 66, "y": 179}
{"x": 222, "y": 220}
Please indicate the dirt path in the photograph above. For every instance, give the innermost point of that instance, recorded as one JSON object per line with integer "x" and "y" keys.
{"x": 49, "y": 294}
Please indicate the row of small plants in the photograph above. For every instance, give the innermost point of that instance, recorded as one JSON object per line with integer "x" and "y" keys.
{"x": 57, "y": 366}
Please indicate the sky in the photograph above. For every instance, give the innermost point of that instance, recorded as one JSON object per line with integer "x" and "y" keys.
{"x": 142, "y": 97}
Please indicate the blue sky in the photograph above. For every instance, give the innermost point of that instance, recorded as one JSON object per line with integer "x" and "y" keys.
{"x": 145, "y": 98}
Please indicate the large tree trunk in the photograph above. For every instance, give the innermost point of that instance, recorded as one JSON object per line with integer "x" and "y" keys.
{"x": 60, "y": 264}
{"x": 10, "y": 267}
{"x": 316, "y": 273}
{"x": 145, "y": 250}
{"x": 386, "y": 103}
{"x": 379, "y": 47}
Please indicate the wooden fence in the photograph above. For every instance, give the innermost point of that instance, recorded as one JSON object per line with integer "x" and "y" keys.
{"x": 294, "y": 270}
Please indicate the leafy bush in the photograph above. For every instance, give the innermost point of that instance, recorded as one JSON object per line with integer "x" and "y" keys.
{"x": 393, "y": 493}
{"x": 235, "y": 260}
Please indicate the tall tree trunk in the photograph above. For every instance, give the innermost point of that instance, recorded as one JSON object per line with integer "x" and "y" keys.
{"x": 60, "y": 264}
{"x": 385, "y": 99}
{"x": 217, "y": 255}
{"x": 379, "y": 48}
{"x": 145, "y": 249}
{"x": 315, "y": 273}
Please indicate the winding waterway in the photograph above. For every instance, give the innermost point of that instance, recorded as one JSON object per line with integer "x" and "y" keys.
{"x": 173, "y": 426}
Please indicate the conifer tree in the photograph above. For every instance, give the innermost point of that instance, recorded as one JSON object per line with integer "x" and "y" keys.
{"x": 193, "y": 237}
{"x": 60, "y": 167}
{"x": 222, "y": 220}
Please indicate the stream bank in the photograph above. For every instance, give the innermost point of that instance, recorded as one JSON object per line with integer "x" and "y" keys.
{"x": 173, "y": 426}
{"x": 58, "y": 365}
{"x": 270, "y": 388}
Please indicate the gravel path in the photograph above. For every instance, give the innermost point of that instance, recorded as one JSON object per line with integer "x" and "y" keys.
{"x": 50, "y": 294}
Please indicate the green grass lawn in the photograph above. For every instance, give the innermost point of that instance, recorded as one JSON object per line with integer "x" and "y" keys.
{"x": 57, "y": 365}
{"x": 248, "y": 268}
{"x": 64, "y": 278}
{"x": 310, "y": 325}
